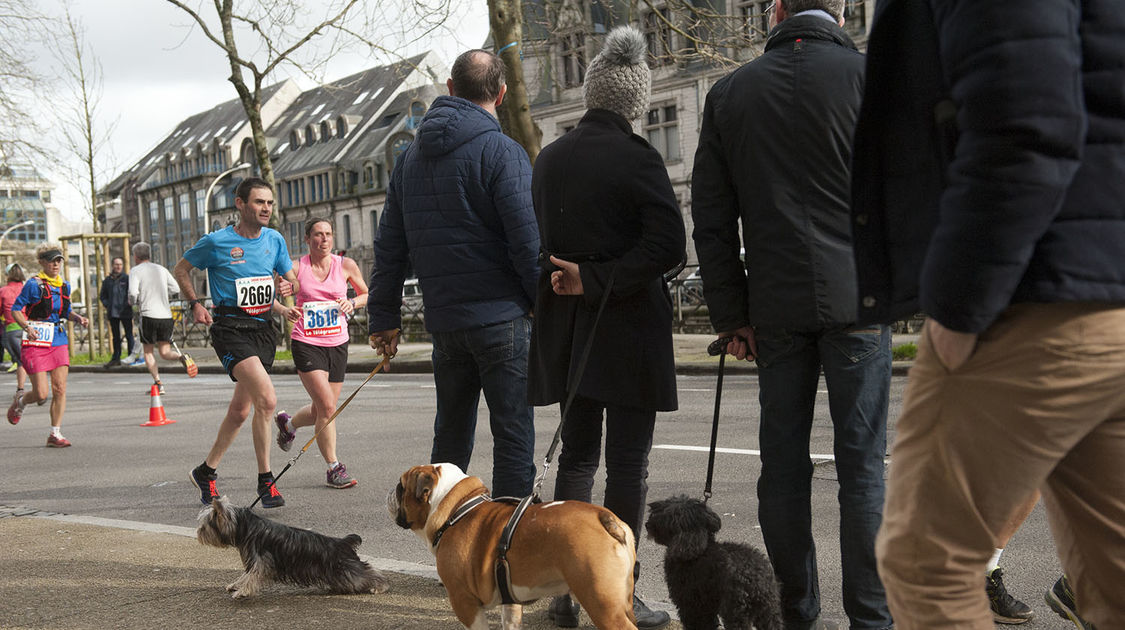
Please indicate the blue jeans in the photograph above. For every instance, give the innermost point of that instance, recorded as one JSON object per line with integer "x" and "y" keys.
{"x": 493, "y": 359}
{"x": 857, "y": 371}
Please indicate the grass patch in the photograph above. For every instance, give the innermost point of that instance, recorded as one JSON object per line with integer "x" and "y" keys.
{"x": 905, "y": 352}
{"x": 283, "y": 355}
{"x": 83, "y": 358}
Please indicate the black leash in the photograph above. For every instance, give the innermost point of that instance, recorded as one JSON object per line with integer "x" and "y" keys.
{"x": 717, "y": 347}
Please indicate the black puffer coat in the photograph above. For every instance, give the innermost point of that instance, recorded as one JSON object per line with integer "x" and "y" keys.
{"x": 774, "y": 151}
{"x": 603, "y": 198}
{"x": 993, "y": 173}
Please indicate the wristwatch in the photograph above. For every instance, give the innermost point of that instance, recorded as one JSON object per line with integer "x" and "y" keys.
{"x": 191, "y": 304}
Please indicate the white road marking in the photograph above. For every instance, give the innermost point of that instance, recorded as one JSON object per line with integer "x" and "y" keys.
{"x": 732, "y": 451}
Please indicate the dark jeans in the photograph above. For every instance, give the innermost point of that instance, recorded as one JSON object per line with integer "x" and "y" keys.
{"x": 492, "y": 358}
{"x": 127, "y": 323}
{"x": 857, "y": 371}
{"x": 628, "y": 439}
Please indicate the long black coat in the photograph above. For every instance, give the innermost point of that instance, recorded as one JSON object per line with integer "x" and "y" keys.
{"x": 603, "y": 199}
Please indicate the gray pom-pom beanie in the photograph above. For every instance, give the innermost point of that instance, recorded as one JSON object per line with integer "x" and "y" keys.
{"x": 618, "y": 78}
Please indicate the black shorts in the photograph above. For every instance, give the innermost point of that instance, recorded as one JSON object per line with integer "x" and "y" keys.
{"x": 155, "y": 330}
{"x": 331, "y": 359}
{"x": 238, "y": 339}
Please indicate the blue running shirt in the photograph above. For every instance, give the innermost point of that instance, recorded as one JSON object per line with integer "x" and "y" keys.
{"x": 240, "y": 270}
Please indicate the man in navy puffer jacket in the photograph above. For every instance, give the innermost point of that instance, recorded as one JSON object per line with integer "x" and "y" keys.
{"x": 989, "y": 190}
{"x": 459, "y": 212}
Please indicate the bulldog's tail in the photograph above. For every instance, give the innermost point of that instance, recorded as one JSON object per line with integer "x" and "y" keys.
{"x": 613, "y": 527}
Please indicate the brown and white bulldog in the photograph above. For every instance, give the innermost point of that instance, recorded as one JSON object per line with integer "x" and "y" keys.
{"x": 558, "y": 547}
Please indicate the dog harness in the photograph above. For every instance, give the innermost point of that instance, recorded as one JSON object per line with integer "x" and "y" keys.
{"x": 503, "y": 573}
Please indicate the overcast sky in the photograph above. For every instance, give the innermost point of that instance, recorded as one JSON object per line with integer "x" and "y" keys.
{"x": 158, "y": 70}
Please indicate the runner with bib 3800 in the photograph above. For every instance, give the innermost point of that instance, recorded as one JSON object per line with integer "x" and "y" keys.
{"x": 241, "y": 261}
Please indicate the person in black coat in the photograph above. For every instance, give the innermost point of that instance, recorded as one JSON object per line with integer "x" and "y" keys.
{"x": 989, "y": 191}
{"x": 114, "y": 296}
{"x": 774, "y": 156}
{"x": 610, "y": 224}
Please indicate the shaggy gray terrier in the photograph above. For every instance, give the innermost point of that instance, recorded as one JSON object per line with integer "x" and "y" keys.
{"x": 709, "y": 580}
{"x": 272, "y": 552}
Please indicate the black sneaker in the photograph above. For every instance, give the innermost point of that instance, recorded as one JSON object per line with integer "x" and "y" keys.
{"x": 1005, "y": 608}
{"x": 112, "y": 363}
{"x": 1061, "y": 600}
{"x": 648, "y": 619}
{"x": 271, "y": 498}
{"x": 564, "y": 612}
{"x": 205, "y": 483}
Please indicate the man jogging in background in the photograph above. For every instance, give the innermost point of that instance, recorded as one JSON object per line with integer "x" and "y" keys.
{"x": 241, "y": 260}
{"x": 149, "y": 286}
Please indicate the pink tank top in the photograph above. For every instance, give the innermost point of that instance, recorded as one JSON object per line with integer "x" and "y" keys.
{"x": 322, "y": 324}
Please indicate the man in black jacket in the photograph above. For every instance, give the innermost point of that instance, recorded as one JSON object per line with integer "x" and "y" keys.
{"x": 988, "y": 192}
{"x": 774, "y": 152}
{"x": 114, "y": 296}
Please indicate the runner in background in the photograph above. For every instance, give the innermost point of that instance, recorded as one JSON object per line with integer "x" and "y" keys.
{"x": 320, "y": 341}
{"x": 45, "y": 351}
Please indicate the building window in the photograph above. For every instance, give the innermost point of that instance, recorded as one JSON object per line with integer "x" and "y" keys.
{"x": 169, "y": 222}
{"x": 154, "y": 226}
{"x": 755, "y": 19}
{"x": 294, "y": 241}
{"x": 185, "y": 218}
{"x": 663, "y": 131}
{"x": 341, "y": 127}
{"x": 310, "y": 136}
{"x": 573, "y": 59}
{"x": 374, "y": 223}
{"x": 855, "y": 17}
{"x": 325, "y": 131}
{"x": 347, "y": 231}
{"x": 201, "y": 210}
{"x": 658, "y": 35}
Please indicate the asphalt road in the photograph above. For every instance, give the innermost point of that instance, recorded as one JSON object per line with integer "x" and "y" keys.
{"x": 119, "y": 470}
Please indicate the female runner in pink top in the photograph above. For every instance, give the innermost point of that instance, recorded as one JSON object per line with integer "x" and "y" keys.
{"x": 320, "y": 341}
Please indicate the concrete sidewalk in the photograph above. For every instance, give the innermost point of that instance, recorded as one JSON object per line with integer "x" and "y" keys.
{"x": 414, "y": 358}
{"x": 62, "y": 572}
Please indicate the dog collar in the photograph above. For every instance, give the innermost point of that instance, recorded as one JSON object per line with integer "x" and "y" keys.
{"x": 458, "y": 514}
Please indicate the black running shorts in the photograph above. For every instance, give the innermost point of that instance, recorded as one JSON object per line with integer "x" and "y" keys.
{"x": 154, "y": 329}
{"x": 237, "y": 339}
{"x": 331, "y": 359}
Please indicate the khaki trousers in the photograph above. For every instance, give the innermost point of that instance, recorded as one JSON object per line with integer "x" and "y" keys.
{"x": 1039, "y": 405}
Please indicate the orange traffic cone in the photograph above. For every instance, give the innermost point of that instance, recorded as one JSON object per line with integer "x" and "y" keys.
{"x": 156, "y": 415}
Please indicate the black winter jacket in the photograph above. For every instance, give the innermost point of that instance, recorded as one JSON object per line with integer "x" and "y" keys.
{"x": 774, "y": 152}
{"x": 459, "y": 210}
{"x": 990, "y": 158}
{"x": 114, "y": 296}
{"x": 603, "y": 199}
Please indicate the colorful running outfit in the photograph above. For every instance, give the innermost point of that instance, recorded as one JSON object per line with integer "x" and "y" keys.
{"x": 320, "y": 337}
{"x": 240, "y": 275}
{"x": 47, "y": 314}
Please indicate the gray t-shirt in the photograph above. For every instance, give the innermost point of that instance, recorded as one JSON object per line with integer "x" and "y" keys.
{"x": 149, "y": 286}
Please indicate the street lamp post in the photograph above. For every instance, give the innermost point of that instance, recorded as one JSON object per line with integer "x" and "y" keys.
{"x": 14, "y": 227}
{"x": 207, "y": 196}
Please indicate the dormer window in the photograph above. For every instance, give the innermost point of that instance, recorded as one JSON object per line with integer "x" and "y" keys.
{"x": 294, "y": 139}
{"x": 310, "y": 135}
{"x": 341, "y": 127}
{"x": 325, "y": 131}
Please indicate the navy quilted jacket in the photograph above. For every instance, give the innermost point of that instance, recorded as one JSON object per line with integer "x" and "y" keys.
{"x": 459, "y": 211}
{"x": 990, "y": 158}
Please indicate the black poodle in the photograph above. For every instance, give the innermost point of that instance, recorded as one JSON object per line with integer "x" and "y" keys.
{"x": 707, "y": 579}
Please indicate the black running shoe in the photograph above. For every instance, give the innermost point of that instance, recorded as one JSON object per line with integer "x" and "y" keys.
{"x": 205, "y": 483}
{"x": 1005, "y": 608}
{"x": 1061, "y": 600}
{"x": 271, "y": 498}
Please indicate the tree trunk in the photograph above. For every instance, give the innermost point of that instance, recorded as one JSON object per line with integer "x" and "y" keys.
{"x": 504, "y": 17}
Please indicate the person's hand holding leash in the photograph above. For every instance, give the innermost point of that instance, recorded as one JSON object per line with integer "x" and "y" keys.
{"x": 743, "y": 345}
{"x": 385, "y": 343}
{"x": 566, "y": 281}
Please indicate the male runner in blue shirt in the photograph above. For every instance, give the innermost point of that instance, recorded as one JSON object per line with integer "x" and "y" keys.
{"x": 241, "y": 261}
